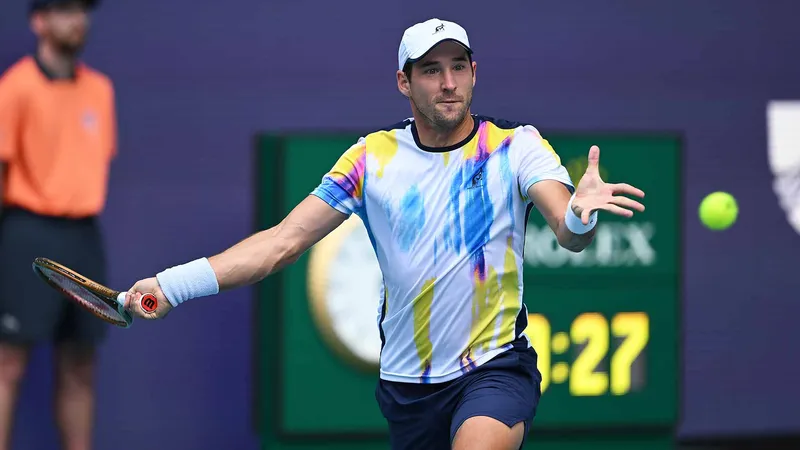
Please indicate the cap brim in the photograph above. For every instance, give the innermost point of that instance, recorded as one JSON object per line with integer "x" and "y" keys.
{"x": 40, "y": 5}
{"x": 413, "y": 59}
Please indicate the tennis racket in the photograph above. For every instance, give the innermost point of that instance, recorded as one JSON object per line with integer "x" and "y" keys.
{"x": 107, "y": 304}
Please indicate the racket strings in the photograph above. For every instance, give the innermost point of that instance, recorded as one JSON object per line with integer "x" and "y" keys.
{"x": 82, "y": 295}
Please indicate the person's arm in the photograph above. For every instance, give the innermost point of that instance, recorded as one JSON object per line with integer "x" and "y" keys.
{"x": 338, "y": 195}
{"x": 10, "y": 113}
{"x": 545, "y": 182}
{"x": 268, "y": 251}
{"x": 112, "y": 126}
{"x": 552, "y": 199}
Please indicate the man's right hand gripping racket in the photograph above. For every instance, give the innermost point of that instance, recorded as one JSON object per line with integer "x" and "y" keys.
{"x": 105, "y": 303}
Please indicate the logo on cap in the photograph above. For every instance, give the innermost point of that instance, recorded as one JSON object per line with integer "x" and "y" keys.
{"x": 439, "y": 28}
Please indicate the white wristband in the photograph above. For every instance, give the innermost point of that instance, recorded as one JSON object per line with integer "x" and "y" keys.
{"x": 187, "y": 281}
{"x": 574, "y": 223}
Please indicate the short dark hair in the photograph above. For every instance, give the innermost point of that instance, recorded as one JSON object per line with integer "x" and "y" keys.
{"x": 39, "y": 5}
{"x": 407, "y": 67}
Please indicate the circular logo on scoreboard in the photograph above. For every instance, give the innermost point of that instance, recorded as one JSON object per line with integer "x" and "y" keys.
{"x": 345, "y": 287}
{"x": 783, "y": 147}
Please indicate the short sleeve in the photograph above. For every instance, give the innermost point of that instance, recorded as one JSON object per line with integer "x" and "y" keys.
{"x": 536, "y": 160}
{"x": 343, "y": 186}
{"x": 10, "y": 118}
{"x": 111, "y": 122}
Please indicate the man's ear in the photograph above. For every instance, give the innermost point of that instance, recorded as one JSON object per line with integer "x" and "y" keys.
{"x": 36, "y": 23}
{"x": 403, "y": 84}
{"x": 474, "y": 69}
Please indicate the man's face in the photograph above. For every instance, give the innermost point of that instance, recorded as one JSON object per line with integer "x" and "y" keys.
{"x": 64, "y": 25}
{"x": 441, "y": 85}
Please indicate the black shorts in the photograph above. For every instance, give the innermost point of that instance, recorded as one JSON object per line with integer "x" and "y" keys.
{"x": 427, "y": 416}
{"x": 30, "y": 311}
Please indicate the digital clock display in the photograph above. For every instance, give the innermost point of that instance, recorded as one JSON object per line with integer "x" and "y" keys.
{"x": 605, "y": 355}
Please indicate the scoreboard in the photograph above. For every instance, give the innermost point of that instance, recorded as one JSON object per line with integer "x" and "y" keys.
{"x": 605, "y": 322}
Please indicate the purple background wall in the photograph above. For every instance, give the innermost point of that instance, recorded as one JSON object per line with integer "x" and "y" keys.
{"x": 195, "y": 81}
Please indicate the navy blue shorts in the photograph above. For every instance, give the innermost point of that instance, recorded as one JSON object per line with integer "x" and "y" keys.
{"x": 427, "y": 416}
{"x": 30, "y": 311}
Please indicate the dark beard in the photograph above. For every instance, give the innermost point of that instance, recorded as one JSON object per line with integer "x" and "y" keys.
{"x": 439, "y": 122}
{"x": 69, "y": 49}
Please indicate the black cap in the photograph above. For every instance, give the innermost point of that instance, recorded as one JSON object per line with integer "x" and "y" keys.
{"x": 37, "y": 5}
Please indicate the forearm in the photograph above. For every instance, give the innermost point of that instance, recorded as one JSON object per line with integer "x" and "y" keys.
{"x": 571, "y": 232}
{"x": 255, "y": 258}
{"x": 572, "y": 241}
{"x": 555, "y": 203}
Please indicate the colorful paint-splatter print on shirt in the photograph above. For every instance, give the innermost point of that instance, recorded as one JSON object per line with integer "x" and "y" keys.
{"x": 448, "y": 228}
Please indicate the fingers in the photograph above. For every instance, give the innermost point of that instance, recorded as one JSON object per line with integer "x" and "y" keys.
{"x": 128, "y": 298}
{"x": 134, "y": 305}
{"x": 621, "y": 206}
{"x": 627, "y": 203}
{"x": 594, "y": 160}
{"x": 132, "y": 296}
{"x": 627, "y": 189}
{"x": 147, "y": 288}
{"x": 614, "y": 209}
{"x": 131, "y": 302}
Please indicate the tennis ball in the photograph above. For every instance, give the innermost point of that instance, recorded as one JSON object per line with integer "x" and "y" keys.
{"x": 718, "y": 211}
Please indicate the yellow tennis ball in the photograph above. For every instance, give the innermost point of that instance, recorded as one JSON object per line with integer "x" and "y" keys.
{"x": 718, "y": 211}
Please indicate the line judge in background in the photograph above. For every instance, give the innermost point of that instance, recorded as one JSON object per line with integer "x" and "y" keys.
{"x": 57, "y": 139}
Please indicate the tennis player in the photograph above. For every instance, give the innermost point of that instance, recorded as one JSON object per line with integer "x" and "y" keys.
{"x": 445, "y": 197}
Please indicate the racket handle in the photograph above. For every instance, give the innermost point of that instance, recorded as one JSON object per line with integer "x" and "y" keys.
{"x": 149, "y": 301}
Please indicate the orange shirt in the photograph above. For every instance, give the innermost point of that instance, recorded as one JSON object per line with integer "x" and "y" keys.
{"x": 57, "y": 139}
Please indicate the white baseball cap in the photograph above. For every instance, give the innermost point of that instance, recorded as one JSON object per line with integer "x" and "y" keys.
{"x": 420, "y": 38}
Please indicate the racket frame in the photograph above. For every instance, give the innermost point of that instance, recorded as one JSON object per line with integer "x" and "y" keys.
{"x": 108, "y": 296}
